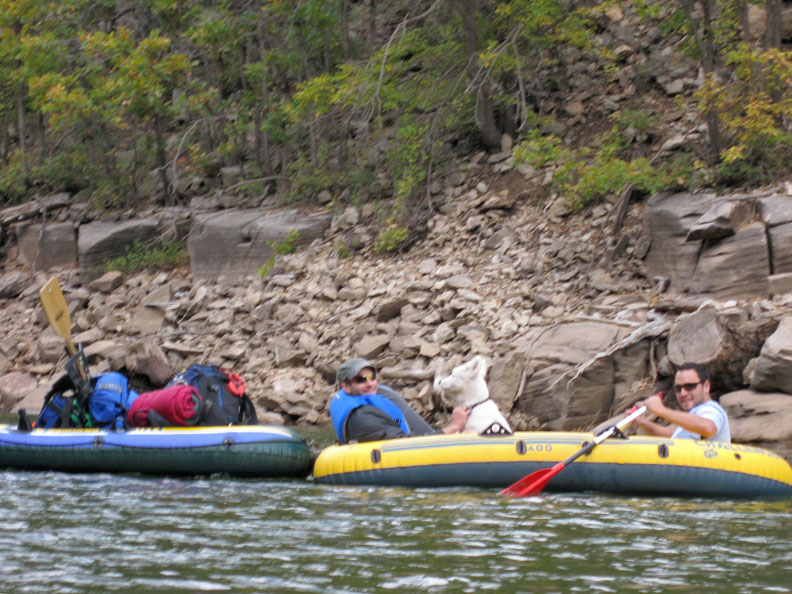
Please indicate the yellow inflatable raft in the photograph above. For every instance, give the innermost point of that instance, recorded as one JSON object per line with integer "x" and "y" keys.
{"x": 633, "y": 465}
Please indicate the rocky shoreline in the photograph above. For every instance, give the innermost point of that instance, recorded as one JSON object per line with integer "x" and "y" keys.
{"x": 578, "y": 322}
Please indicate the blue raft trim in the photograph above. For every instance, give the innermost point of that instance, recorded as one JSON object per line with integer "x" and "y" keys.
{"x": 157, "y": 438}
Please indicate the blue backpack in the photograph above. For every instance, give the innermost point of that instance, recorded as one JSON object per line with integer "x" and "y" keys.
{"x": 223, "y": 394}
{"x": 110, "y": 399}
{"x": 104, "y": 406}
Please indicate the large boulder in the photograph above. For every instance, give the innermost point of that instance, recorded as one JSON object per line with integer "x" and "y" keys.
{"x": 777, "y": 216}
{"x": 722, "y": 219}
{"x": 557, "y": 394}
{"x": 15, "y": 386}
{"x": 49, "y": 246}
{"x": 734, "y": 267}
{"x": 668, "y": 218}
{"x": 771, "y": 371}
{"x": 758, "y": 417}
{"x": 100, "y": 242}
{"x": 720, "y": 341}
{"x": 708, "y": 245}
{"x": 12, "y": 284}
{"x": 237, "y": 243}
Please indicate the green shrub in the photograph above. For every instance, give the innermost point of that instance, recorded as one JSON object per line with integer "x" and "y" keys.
{"x": 342, "y": 249}
{"x": 392, "y": 238}
{"x": 139, "y": 257}
{"x": 13, "y": 180}
{"x": 754, "y": 109}
{"x": 585, "y": 175}
{"x": 279, "y": 248}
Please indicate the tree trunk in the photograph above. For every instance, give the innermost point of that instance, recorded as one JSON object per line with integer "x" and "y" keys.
{"x": 108, "y": 158}
{"x": 485, "y": 118}
{"x": 313, "y": 143}
{"x": 746, "y": 29}
{"x": 485, "y": 114}
{"x": 41, "y": 133}
{"x": 5, "y": 138}
{"x": 266, "y": 150}
{"x": 345, "y": 28}
{"x": 705, "y": 40}
{"x": 257, "y": 136}
{"x": 20, "y": 108}
{"x": 772, "y": 24}
{"x": 263, "y": 154}
{"x": 254, "y": 53}
{"x": 372, "y": 22}
{"x": 159, "y": 137}
{"x": 285, "y": 158}
{"x": 328, "y": 59}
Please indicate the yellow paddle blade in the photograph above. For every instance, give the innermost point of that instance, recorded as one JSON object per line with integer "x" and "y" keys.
{"x": 57, "y": 311}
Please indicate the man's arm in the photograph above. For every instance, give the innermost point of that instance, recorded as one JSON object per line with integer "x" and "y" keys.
{"x": 690, "y": 422}
{"x": 416, "y": 423}
{"x": 458, "y": 419}
{"x": 652, "y": 428}
{"x": 369, "y": 423}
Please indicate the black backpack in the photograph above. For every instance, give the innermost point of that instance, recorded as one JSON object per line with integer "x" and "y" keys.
{"x": 223, "y": 393}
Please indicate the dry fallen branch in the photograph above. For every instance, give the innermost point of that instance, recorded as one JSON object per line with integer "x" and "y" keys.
{"x": 407, "y": 374}
{"x": 653, "y": 329}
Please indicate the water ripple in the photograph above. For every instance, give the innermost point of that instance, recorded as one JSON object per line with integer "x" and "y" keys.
{"x": 105, "y": 533}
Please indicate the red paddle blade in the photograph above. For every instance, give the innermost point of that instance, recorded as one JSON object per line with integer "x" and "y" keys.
{"x": 533, "y": 483}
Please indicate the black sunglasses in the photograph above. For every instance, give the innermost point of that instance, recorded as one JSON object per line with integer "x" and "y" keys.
{"x": 689, "y": 387}
{"x": 362, "y": 379}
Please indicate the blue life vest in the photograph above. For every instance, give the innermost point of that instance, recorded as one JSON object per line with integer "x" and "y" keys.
{"x": 342, "y": 405}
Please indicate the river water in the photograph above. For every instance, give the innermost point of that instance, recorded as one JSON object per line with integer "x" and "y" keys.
{"x": 123, "y": 533}
{"x": 96, "y": 533}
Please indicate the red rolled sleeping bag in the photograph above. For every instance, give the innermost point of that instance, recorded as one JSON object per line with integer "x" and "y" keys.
{"x": 179, "y": 405}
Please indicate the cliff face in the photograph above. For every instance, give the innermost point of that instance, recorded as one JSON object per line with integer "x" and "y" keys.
{"x": 574, "y": 327}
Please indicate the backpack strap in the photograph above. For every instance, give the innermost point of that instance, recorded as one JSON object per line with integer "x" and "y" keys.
{"x": 235, "y": 385}
{"x": 75, "y": 403}
{"x": 63, "y": 384}
{"x": 247, "y": 412}
{"x": 23, "y": 423}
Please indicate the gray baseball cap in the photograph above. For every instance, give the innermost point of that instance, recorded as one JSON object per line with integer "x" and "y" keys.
{"x": 351, "y": 368}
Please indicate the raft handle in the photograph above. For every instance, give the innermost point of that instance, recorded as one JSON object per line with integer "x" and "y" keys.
{"x": 662, "y": 450}
{"x": 521, "y": 447}
{"x": 98, "y": 442}
{"x": 376, "y": 456}
{"x": 229, "y": 442}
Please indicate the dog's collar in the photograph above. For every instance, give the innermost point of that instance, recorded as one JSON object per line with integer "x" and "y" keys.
{"x": 472, "y": 406}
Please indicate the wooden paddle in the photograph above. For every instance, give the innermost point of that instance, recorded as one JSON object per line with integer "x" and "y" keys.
{"x": 58, "y": 315}
{"x": 536, "y": 481}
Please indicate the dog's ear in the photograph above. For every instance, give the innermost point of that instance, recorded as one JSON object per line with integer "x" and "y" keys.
{"x": 442, "y": 371}
{"x": 479, "y": 365}
{"x": 438, "y": 389}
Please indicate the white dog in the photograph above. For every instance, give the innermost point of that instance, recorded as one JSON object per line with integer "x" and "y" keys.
{"x": 467, "y": 386}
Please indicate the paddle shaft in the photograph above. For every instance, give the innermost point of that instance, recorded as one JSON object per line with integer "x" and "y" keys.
{"x": 535, "y": 482}
{"x": 603, "y": 436}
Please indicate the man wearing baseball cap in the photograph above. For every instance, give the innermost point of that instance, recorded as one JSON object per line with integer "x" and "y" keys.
{"x": 364, "y": 410}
